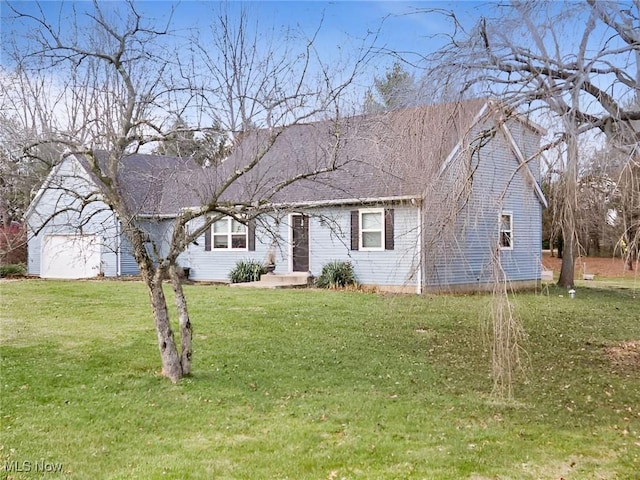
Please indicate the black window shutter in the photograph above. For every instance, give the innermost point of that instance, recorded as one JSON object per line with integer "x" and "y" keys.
{"x": 207, "y": 239}
{"x": 388, "y": 229}
{"x": 251, "y": 233}
{"x": 355, "y": 230}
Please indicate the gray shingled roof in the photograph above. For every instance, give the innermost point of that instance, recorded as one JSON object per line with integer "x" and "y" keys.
{"x": 393, "y": 154}
{"x": 377, "y": 156}
{"x": 150, "y": 184}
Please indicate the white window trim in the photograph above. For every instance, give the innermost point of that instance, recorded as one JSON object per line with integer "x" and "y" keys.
{"x": 229, "y": 234}
{"x": 500, "y": 231}
{"x": 362, "y": 230}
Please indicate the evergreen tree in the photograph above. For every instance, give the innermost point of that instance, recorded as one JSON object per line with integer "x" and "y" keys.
{"x": 397, "y": 89}
{"x": 206, "y": 146}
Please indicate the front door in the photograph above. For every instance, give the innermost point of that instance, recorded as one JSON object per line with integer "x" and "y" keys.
{"x": 300, "y": 243}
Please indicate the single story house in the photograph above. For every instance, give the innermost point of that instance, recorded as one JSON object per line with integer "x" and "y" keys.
{"x": 439, "y": 197}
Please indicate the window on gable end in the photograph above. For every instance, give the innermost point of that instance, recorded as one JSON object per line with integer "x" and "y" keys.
{"x": 506, "y": 231}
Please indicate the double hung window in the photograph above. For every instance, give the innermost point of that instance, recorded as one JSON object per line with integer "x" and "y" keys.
{"x": 506, "y": 231}
{"x": 372, "y": 229}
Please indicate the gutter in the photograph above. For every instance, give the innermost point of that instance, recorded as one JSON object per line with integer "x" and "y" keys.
{"x": 349, "y": 201}
{"x": 414, "y": 199}
{"x": 160, "y": 216}
{"x": 421, "y": 249}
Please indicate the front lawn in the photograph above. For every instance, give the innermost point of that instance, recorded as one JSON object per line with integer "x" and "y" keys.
{"x": 314, "y": 384}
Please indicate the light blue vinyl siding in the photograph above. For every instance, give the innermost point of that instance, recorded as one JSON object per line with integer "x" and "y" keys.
{"x": 529, "y": 144}
{"x": 469, "y": 256}
{"x": 128, "y": 265}
{"x": 109, "y": 258}
{"x": 439, "y": 243}
{"x": 71, "y": 217}
{"x": 159, "y": 233}
{"x": 95, "y": 218}
{"x": 215, "y": 265}
{"x": 447, "y": 250}
{"x": 33, "y": 254}
{"x": 330, "y": 232}
{"x": 329, "y": 239}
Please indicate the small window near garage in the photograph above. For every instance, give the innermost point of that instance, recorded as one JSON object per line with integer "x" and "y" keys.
{"x": 506, "y": 231}
{"x": 229, "y": 233}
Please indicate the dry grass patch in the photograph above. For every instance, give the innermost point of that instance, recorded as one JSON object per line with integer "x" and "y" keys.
{"x": 626, "y": 354}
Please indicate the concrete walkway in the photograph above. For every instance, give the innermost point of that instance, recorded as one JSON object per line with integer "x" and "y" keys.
{"x": 277, "y": 280}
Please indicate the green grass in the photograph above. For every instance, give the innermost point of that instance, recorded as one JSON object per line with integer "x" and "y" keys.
{"x": 631, "y": 283}
{"x": 313, "y": 384}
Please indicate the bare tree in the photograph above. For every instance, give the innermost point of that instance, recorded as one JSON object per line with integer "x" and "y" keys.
{"x": 598, "y": 229}
{"x": 21, "y": 123}
{"x": 582, "y": 82}
{"x": 124, "y": 81}
{"x": 23, "y": 171}
{"x": 576, "y": 84}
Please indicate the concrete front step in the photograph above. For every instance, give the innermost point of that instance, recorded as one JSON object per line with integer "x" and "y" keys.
{"x": 287, "y": 280}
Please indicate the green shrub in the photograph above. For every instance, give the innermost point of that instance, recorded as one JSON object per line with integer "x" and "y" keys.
{"x": 246, "y": 271}
{"x": 336, "y": 274}
{"x": 15, "y": 270}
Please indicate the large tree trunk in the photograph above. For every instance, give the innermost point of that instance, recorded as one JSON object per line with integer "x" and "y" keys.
{"x": 567, "y": 269}
{"x": 171, "y": 365}
{"x": 569, "y": 205}
{"x": 630, "y": 186}
{"x": 183, "y": 319}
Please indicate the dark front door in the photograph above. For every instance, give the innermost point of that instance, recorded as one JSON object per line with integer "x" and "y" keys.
{"x": 300, "y": 243}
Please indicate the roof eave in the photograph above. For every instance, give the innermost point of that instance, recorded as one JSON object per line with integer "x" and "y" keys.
{"x": 158, "y": 216}
{"x": 331, "y": 203}
{"x": 45, "y": 186}
{"x": 513, "y": 114}
{"x": 525, "y": 165}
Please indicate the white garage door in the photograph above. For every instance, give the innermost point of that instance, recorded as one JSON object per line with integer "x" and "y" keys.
{"x": 70, "y": 256}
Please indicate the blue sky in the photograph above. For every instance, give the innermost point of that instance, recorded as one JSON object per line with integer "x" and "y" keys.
{"x": 345, "y": 22}
{"x": 403, "y": 26}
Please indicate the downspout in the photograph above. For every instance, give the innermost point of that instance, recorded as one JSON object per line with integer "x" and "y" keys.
{"x": 290, "y": 242}
{"x": 118, "y": 243}
{"x": 421, "y": 253}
